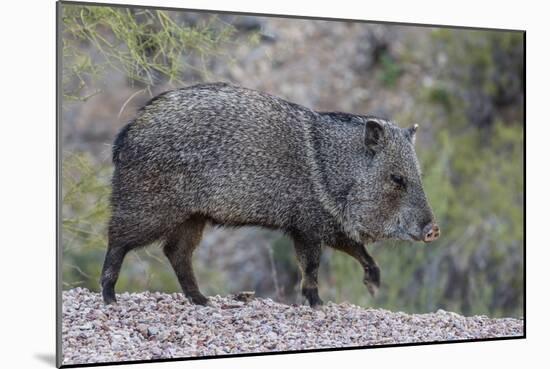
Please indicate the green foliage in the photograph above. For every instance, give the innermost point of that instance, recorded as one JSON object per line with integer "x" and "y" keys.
{"x": 391, "y": 70}
{"x": 488, "y": 61}
{"x": 84, "y": 217}
{"x": 140, "y": 44}
{"x": 441, "y": 96}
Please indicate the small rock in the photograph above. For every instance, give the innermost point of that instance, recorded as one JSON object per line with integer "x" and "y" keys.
{"x": 245, "y": 296}
{"x": 142, "y": 328}
{"x": 86, "y": 326}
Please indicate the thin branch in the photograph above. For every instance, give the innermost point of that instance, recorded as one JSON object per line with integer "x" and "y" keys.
{"x": 128, "y": 100}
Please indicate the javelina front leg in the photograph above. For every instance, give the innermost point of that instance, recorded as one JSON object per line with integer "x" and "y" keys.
{"x": 308, "y": 253}
{"x": 179, "y": 249}
{"x": 359, "y": 252}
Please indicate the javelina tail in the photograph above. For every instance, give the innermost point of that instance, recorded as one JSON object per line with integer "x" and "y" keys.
{"x": 120, "y": 141}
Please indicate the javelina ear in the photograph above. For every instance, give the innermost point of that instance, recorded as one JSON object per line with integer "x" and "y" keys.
{"x": 374, "y": 135}
{"x": 411, "y": 133}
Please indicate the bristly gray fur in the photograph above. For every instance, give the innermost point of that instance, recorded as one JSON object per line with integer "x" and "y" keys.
{"x": 234, "y": 156}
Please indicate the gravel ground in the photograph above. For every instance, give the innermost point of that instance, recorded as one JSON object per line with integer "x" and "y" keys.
{"x": 153, "y": 325}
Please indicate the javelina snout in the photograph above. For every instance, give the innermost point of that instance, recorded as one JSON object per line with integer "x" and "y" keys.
{"x": 430, "y": 232}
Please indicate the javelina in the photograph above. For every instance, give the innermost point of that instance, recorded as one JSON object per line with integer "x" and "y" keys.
{"x": 233, "y": 156}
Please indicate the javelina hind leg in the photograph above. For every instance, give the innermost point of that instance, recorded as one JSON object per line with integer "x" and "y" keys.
{"x": 111, "y": 268}
{"x": 179, "y": 249}
{"x": 125, "y": 234}
{"x": 359, "y": 252}
{"x": 308, "y": 253}
{"x": 123, "y": 237}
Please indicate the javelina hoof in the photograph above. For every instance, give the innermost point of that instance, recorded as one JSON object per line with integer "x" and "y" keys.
{"x": 312, "y": 297}
{"x": 316, "y": 304}
{"x": 372, "y": 279}
{"x": 108, "y": 297}
{"x": 373, "y": 290}
{"x": 198, "y": 299}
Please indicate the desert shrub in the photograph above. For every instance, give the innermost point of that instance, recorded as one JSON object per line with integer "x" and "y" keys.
{"x": 145, "y": 46}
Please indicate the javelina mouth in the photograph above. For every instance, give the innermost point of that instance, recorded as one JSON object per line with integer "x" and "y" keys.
{"x": 414, "y": 238}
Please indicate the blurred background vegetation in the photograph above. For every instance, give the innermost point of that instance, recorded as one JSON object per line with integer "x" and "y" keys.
{"x": 463, "y": 87}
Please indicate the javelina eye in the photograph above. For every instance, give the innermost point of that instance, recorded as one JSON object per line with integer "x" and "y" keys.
{"x": 398, "y": 180}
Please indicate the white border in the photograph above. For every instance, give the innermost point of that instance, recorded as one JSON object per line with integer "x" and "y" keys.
{"x": 27, "y": 152}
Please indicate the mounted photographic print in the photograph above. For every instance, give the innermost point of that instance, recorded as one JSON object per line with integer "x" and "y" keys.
{"x": 238, "y": 184}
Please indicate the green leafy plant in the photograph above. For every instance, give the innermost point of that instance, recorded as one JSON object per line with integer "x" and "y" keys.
{"x": 138, "y": 43}
{"x": 391, "y": 70}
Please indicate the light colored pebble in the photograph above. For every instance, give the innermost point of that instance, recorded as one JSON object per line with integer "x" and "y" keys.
{"x": 153, "y": 325}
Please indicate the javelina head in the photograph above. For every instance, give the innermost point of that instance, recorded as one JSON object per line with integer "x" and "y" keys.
{"x": 387, "y": 200}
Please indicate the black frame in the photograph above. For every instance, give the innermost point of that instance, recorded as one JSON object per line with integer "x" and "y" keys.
{"x": 59, "y": 312}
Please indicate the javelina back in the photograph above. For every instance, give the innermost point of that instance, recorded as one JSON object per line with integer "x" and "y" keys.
{"x": 232, "y": 156}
